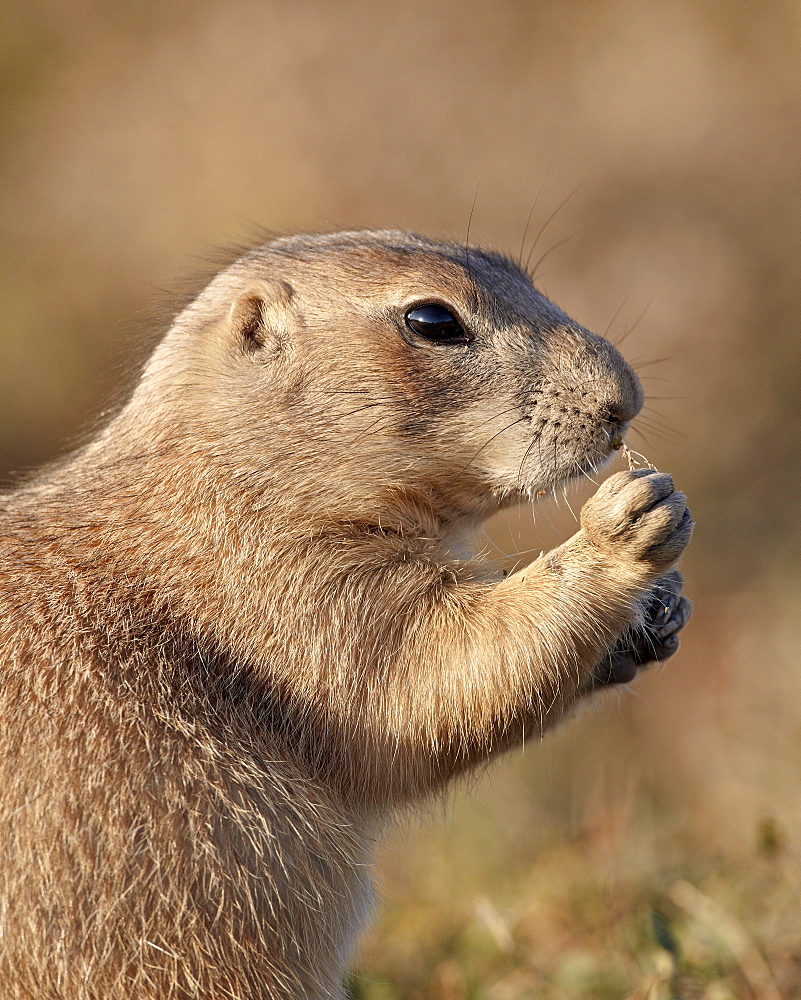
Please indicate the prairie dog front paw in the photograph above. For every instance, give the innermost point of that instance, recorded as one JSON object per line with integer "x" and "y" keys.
{"x": 665, "y": 613}
{"x": 637, "y": 516}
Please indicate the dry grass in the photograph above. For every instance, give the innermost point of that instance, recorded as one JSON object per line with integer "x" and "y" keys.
{"x": 652, "y": 917}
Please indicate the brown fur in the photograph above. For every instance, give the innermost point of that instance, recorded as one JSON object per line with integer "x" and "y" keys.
{"x": 236, "y": 633}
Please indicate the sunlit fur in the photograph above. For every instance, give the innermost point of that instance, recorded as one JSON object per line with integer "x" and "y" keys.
{"x": 235, "y": 636}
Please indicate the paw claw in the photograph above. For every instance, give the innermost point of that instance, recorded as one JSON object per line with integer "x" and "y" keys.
{"x": 667, "y": 611}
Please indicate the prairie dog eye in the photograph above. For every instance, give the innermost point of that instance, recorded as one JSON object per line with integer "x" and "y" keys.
{"x": 436, "y": 323}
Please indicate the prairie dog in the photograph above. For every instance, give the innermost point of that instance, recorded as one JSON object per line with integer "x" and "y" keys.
{"x": 236, "y": 634}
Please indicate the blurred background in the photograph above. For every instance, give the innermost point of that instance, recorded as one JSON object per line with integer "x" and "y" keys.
{"x": 651, "y": 848}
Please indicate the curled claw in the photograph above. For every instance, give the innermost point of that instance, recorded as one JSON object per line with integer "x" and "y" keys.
{"x": 666, "y": 613}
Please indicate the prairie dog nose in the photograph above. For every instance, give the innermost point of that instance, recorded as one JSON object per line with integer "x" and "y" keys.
{"x": 624, "y": 396}
{"x": 632, "y": 396}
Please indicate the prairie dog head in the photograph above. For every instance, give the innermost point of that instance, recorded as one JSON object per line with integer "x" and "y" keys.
{"x": 376, "y": 369}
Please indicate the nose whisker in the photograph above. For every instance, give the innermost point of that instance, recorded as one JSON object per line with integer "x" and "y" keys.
{"x": 497, "y": 434}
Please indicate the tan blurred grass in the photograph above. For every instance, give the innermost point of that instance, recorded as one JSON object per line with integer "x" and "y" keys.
{"x": 135, "y": 135}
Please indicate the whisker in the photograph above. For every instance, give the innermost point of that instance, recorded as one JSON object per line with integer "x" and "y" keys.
{"x": 370, "y": 427}
{"x": 525, "y": 228}
{"x": 661, "y": 433}
{"x": 635, "y": 324}
{"x": 534, "y": 205}
{"x": 547, "y": 223}
{"x": 647, "y": 362}
{"x": 469, "y": 223}
{"x": 340, "y": 392}
{"x": 641, "y": 434}
{"x": 653, "y": 412}
{"x": 615, "y": 316}
{"x": 559, "y": 243}
{"x": 496, "y": 415}
{"x": 360, "y": 409}
{"x": 567, "y": 502}
{"x": 491, "y": 439}
{"x": 536, "y": 440}
{"x": 654, "y": 418}
{"x": 582, "y": 471}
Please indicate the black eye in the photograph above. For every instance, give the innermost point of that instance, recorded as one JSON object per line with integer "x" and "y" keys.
{"x": 436, "y": 323}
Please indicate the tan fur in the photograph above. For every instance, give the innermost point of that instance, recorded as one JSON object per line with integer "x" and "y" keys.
{"x": 235, "y": 635}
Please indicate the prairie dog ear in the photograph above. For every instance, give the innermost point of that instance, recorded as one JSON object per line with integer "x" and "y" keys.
{"x": 260, "y": 318}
